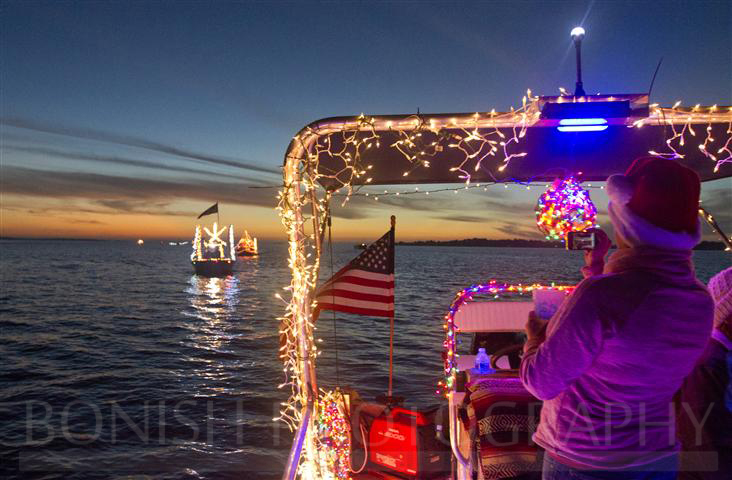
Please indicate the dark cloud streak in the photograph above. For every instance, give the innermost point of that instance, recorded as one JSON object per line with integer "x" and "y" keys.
{"x": 115, "y": 160}
{"x": 136, "y": 195}
{"x": 94, "y": 186}
{"x": 463, "y": 218}
{"x": 130, "y": 141}
{"x": 513, "y": 230}
{"x": 111, "y": 207}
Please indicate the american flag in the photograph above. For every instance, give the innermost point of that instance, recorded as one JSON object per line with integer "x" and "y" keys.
{"x": 366, "y": 285}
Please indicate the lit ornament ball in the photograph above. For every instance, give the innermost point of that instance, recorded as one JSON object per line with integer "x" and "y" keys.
{"x": 565, "y": 207}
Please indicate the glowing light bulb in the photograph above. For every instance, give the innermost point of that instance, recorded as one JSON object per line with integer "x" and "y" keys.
{"x": 577, "y": 33}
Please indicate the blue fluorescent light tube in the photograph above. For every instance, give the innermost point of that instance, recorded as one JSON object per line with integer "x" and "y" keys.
{"x": 583, "y": 121}
{"x": 582, "y": 128}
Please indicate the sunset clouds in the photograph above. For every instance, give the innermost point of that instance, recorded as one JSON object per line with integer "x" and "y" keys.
{"x": 123, "y": 129}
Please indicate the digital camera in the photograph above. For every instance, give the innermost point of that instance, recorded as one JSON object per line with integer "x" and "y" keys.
{"x": 580, "y": 240}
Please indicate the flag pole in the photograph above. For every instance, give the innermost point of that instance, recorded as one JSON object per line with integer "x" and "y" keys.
{"x": 217, "y": 212}
{"x": 391, "y": 319}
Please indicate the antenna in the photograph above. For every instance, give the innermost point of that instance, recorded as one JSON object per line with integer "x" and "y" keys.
{"x": 653, "y": 80}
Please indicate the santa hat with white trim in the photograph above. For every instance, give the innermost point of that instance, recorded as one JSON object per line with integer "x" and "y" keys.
{"x": 656, "y": 203}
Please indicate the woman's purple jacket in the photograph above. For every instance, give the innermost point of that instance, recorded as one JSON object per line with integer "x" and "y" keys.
{"x": 614, "y": 355}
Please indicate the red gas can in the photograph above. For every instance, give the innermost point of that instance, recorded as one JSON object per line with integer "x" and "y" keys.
{"x": 408, "y": 443}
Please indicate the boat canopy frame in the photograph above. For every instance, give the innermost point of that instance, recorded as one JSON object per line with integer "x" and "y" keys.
{"x": 339, "y": 155}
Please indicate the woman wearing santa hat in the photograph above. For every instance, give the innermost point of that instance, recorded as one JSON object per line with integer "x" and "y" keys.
{"x": 609, "y": 361}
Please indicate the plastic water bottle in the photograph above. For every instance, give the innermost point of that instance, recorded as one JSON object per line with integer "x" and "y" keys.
{"x": 483, "y": 362}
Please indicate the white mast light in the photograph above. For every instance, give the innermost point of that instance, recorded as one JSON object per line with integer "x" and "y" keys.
{"x": 577, "y": 32}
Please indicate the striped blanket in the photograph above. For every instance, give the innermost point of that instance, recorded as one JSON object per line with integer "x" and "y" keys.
{"x": 502, "y": 416}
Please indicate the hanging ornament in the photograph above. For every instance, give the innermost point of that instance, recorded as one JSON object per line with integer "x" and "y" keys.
{"x": 565, "y": 207}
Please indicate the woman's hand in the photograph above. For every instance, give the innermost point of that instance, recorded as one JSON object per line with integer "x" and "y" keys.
{"x": 595, "y": 258}
{"x": 535, "y": 328}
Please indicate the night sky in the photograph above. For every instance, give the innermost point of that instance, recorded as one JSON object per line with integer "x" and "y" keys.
{"x": 127, "y": 119}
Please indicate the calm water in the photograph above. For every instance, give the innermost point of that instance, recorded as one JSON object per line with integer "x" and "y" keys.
{"x": 118, "y": 363}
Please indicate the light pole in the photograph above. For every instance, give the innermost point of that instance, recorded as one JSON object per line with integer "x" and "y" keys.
{"x": 578, "y": 33}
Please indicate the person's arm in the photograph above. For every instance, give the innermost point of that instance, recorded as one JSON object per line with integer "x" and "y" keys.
{"x": 574, "y": 336}
{"x": 595, "y": 258}
{"x": 535, "y": 332}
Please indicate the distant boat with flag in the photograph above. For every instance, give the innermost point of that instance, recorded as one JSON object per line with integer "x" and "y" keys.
{"x": 247, "y": 246}
{"x": 213, "y": 256}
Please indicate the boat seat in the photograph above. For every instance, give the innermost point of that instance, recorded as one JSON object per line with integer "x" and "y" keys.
{"x": 502, "y": 416}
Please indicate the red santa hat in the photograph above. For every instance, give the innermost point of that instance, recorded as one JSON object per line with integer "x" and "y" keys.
{"x": 656, "y": 202}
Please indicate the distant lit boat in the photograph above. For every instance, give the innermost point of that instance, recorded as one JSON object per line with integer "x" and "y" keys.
{"x": 247, "y": 246}
{"x": 210, "y": 257}
{"x": 360, "y": 246}
{"x": 214, "y": 268}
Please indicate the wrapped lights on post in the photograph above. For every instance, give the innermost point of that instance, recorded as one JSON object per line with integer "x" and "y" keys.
{"x": 196, "y": 254}
{"x": 232, "y": 250}
{"x": 303, "y": 205}
{"x": 565, "y": 207}
{"x": 334, "y": 436}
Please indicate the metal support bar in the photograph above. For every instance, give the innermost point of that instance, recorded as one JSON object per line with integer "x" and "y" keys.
{"x": 454, "y": 438}
{"x": 579, "y": 91}
{"x": 293, "y": 460}
{"x": 715, "y": 227}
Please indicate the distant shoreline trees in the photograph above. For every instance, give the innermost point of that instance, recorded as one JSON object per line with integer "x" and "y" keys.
{"x": 519, "y": 243}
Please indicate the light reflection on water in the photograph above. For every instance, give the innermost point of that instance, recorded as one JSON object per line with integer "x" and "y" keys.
{"x": 214, "y": 302}
{"x": 214, "y": 297}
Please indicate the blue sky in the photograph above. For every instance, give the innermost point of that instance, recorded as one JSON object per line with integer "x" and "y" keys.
{"x": 93, "y": 93}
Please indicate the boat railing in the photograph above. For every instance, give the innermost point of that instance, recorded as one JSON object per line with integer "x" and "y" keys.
{"x": 464, "y": 466}
{"x": 293, "y": 459}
